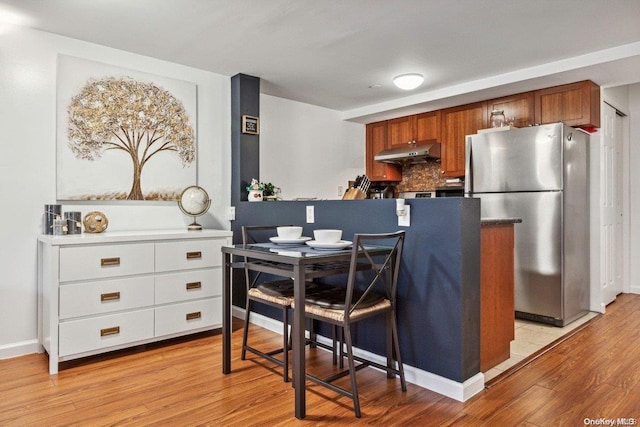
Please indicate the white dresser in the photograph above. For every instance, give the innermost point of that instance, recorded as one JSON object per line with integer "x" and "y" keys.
{"x": 102, "y": 292}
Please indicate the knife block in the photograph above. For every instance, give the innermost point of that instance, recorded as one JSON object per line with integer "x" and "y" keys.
{"x": 354, "y": 194}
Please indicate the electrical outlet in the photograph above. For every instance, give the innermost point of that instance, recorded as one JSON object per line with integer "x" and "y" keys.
{"x": 340, "y": 190}
{"x": 310, "y": 215}
{"x": 232, "y": 213}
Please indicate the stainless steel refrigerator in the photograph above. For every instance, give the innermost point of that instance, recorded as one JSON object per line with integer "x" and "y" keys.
{"x": 538, "y": 174}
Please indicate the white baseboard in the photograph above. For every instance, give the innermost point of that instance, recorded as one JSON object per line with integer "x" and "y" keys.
{"x": 20, "y": 349}
{"x": 634, "y": 290}
{"x": 441, "y": 385}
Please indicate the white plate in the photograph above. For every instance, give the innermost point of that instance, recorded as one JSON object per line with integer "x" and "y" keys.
{"x": 335, "y": 245}
{"x": 286, "y": 252}
{"x": 282, "y": 241}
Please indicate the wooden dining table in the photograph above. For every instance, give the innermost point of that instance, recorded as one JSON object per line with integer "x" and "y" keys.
{"x": 300, "y": 262}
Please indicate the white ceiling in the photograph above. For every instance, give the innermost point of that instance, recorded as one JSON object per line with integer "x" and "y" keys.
{"x": 330, "y": 52}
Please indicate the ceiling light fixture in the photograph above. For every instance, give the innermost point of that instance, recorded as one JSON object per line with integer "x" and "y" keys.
{"x": 408, "y": 81}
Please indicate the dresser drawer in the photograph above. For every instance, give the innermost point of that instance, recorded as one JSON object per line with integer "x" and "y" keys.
{"x": 188, "y": 285}
{"x": 96, "y": 262}
{"x": 186, "y": 316}
{"x": 79, "y": 336}
{"x": 186, "y": 254}
{"x": 104, "y": 296}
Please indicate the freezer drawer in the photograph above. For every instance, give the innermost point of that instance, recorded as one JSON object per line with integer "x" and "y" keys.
{"x": 538, "y": 247}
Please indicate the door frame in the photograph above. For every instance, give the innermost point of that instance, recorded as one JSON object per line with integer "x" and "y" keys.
{"x": 625, "y": 192}
{"x": 596, "y": 298}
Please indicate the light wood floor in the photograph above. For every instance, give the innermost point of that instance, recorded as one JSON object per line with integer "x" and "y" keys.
{"x": 593, "y": 374}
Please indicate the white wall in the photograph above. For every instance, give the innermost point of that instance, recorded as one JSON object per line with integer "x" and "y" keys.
{"x": 634, "y": 187}
{"x": 27, "y": 163}
{"x": 306, "y": 150}
{"x": 309, "y": 151}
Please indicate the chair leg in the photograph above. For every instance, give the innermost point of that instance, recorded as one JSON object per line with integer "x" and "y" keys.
{"x": 352, "y": 370}
{"x": 313, "y": 333}
{"x": 245, "y": 332}
{"x": 398, "y": 357}
{"x": 389, "y": 344}
{"x": 341, "y": 346}
{"x": 334, "y": 349}
{"x": 285, "y": 343}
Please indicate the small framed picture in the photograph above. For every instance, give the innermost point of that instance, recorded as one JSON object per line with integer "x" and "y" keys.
{"x": 250, "y": 125}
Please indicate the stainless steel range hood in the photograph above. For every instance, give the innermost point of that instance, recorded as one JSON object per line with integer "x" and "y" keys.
{"x": 410, "y": 153}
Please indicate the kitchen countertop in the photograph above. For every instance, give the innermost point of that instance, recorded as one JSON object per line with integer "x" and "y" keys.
{"x": 496, "y": 221}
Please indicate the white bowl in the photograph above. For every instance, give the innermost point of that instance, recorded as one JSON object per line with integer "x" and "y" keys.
{"x": 327, "y": 236}
{"x": 289, "y": 232}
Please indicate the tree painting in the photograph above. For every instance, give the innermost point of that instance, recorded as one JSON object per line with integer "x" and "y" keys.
{"x": 138, "y": 119}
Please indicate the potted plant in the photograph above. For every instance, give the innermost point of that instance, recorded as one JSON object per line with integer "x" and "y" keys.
{"x": 269, "y": 191}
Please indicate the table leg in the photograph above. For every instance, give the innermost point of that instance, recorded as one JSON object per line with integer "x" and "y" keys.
{"x": 299, "y": 342}
{"x": 226, "y": 313}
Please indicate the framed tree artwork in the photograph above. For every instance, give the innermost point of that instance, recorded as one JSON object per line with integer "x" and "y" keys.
{"x": 123, "y": 134}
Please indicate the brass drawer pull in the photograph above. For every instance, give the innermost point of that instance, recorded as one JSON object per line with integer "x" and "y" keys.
{"x": 110, "y": 331}
{"x": 195, "y": 315}
{"x": 111, "y": 296}
{"x": 109, "y": 261}
{"x": 194, "y": 255}
{"x": 194, "y": 285}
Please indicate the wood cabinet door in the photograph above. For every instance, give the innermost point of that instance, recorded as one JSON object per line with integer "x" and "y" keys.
{"x": 427, "y": 127}
{"x": 376, "y": 142}
{"x": 497, "y": 303}
{"x": 400, "y": 131}
{"x": 575, "y": 104}
{"x": 414, "y": 129}
{"x": 520, "y": 106}
{"x": 456, "y": 124}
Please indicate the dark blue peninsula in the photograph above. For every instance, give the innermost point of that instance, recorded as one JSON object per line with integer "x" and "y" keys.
{"x": 439, "y": 286}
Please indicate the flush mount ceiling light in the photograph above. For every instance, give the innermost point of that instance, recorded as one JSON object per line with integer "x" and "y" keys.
{"x": 408, "y": 81}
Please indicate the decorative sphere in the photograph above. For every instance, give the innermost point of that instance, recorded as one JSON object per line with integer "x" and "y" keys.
{"x": 194, "y": 201}
{"x": 95, "y": 222}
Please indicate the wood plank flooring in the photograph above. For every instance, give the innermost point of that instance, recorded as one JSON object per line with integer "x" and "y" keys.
{"x": 593, "y": 374}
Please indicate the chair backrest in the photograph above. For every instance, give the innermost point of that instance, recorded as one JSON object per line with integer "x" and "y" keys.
{"x": 385, "y": 267}
{"x": 256, "y": 234}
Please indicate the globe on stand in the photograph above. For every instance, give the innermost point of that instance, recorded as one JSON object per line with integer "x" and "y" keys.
{"x": 194, "y": 201}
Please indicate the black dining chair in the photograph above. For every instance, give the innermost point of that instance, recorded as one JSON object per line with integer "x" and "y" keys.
{"x": 275, "y": 293}
{"x": 361, "y": 299}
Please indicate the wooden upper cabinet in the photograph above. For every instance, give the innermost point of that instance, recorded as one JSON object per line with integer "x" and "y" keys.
{"x": 456, "y": 124}
{"x": 575, "y": 104}
{"x": 376, "y": 142}
{"x": 400, "y": 131}
{"x": 415, "y": 129}
{"x": 427, "y": 127}
{"x": 520, "y": 106}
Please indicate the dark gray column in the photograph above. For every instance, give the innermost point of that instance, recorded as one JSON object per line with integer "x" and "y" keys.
{"x": 245, "y": 148}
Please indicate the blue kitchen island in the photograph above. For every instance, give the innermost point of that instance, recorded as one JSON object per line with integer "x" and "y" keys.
{"x": 439, "y": 283}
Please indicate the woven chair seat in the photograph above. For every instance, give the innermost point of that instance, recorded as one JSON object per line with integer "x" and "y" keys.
{"x": 281, "y": 291}
{"x": 335, "y": 298}
{"x": 257, "y": 293}
{"x": 338, "y": 315}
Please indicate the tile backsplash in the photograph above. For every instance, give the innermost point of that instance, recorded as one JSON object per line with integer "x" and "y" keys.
{"x": 421, "y": 177}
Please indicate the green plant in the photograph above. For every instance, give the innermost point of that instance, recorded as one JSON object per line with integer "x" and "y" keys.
{"x": 268, "y": 189}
